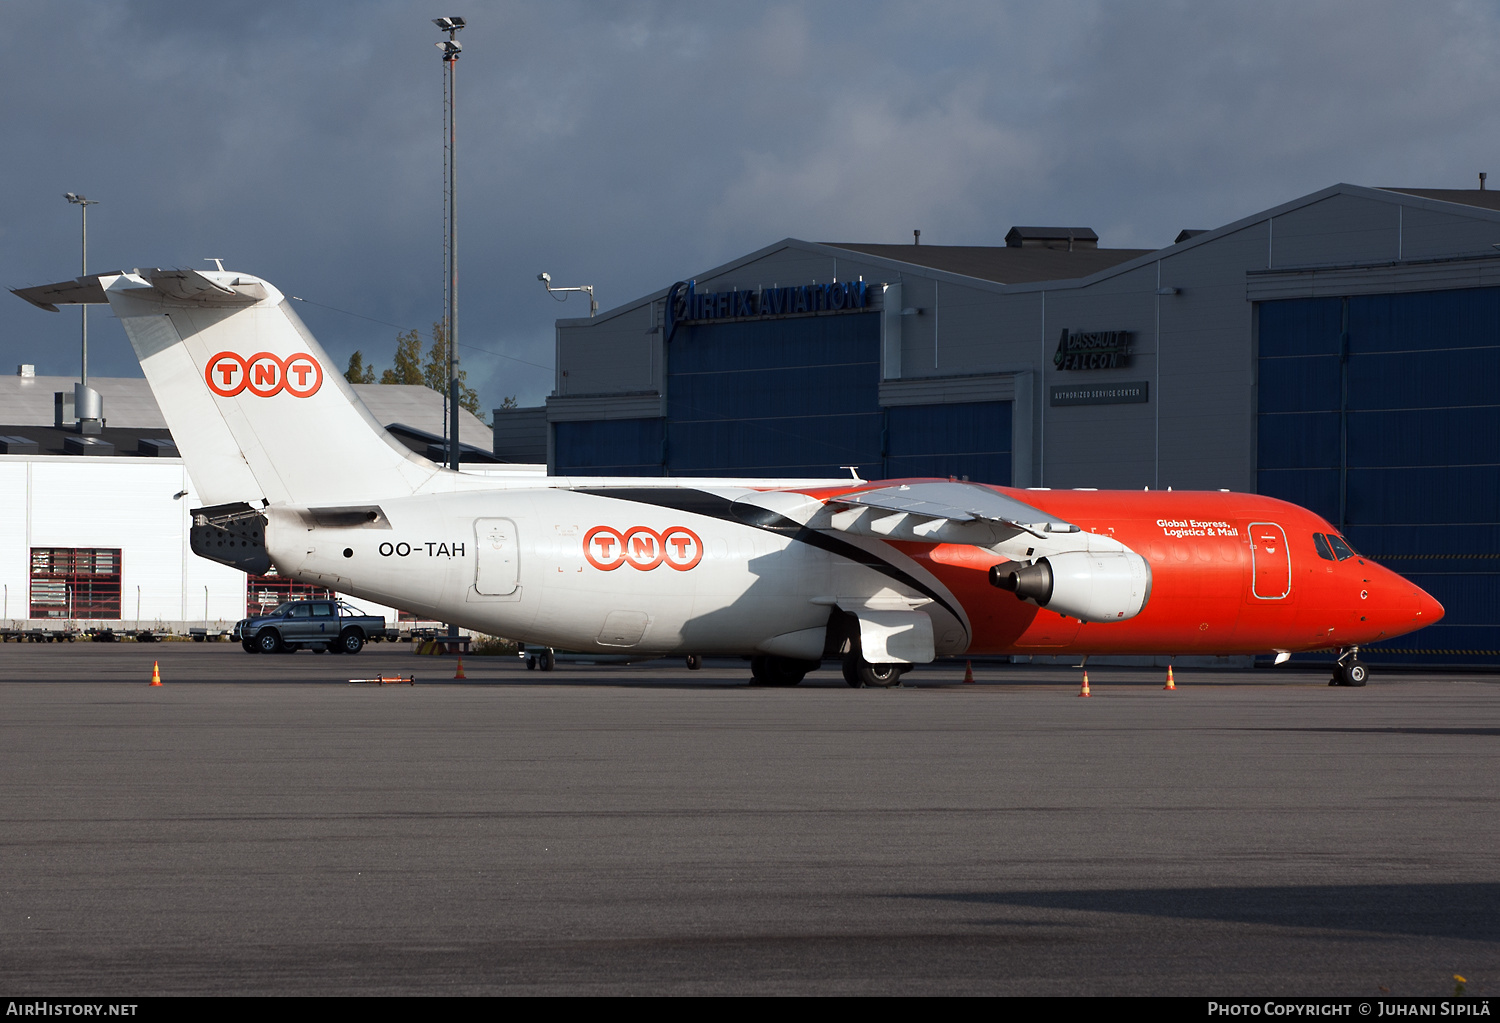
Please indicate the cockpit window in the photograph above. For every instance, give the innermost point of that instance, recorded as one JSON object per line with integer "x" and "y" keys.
{"x": 1340, "y": 548}
{"x": 1321, "y": 543}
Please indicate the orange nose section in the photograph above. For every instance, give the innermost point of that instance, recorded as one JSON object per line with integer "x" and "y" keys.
{"x": 1428, "y": 610}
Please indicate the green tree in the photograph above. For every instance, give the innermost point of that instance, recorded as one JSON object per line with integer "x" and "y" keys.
{"x": 435, "y": 373}
{"x": 407, "y": 367}
{"x": 358, "y": 372}
{"x": 510, "y": 402}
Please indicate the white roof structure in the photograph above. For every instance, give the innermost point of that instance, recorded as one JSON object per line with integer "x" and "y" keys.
{"x": 129, "y": 403}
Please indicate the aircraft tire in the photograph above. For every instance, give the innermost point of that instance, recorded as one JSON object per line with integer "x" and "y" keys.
{"x": 880, "y": 676}
{"x": 547, "y": 660}
{"x": 268, "y": 641}
{"x": 851, "y": 671}
{"x": 694, "y": 662}
{"x": 1356, "y": 674}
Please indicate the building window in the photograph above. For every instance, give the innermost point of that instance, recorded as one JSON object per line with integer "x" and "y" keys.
{"x": 75, "y": 582}
{"x": 263, "y": 592}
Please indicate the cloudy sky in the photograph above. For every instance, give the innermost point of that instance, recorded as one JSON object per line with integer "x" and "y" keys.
{"x": 628, "y": 145}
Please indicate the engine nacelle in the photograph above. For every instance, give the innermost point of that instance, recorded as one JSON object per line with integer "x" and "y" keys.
{"x": 1106, "y": 587}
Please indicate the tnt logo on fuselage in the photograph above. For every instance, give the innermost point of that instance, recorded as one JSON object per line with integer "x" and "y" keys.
{"x": 643, "y": 548}
{"x": 263, "y": 374}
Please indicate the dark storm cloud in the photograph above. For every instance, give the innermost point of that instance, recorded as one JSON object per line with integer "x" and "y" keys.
{"x": 629, "y": 145}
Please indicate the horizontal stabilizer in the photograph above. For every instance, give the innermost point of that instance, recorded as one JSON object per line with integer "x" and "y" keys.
{"x": 178, "y": 287}
{"x": 83, "y": 291}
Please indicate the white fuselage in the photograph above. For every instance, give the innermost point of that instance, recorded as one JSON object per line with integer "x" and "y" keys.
{"x": 515, "y": 563}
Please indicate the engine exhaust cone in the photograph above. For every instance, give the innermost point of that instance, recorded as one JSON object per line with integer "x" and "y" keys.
{"x": 1029, "y": 582}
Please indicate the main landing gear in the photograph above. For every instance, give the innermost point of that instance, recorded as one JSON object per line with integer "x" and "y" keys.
{"x": 860, "y": 672}
{"x": 1349, "y": 670}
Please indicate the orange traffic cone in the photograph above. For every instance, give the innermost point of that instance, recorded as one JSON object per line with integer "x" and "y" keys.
{"x": 1085, "y": 690}
{"x": 156, "y": 673}
{"x": 969, "y": 672}
{"x": 1170, "y": 684}
{"x": 460, "y": 672}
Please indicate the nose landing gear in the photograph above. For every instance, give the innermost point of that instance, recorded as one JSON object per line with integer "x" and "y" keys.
{"x": 1349, "y": 670}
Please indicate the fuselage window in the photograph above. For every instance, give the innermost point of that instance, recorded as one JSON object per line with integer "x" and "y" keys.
{"x": 1321, "y": 543}
{"x": 1340, "y": 548}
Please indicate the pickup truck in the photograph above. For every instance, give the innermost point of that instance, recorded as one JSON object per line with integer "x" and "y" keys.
{"x": 319, "y": 625}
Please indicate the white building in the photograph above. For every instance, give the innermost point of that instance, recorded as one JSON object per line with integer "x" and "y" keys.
{"x": 94, "y": 531}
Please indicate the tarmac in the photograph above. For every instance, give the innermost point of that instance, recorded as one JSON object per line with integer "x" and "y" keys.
{"x": 257, "y": 825}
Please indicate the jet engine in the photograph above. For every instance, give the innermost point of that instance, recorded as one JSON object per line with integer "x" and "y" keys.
{"x": 1109, "y": 586}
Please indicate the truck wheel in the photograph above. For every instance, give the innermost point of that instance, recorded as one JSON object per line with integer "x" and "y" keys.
{"x": 268, "y": 641}
{"x": 351, "y": 642}
{"x": 249, "y": 646}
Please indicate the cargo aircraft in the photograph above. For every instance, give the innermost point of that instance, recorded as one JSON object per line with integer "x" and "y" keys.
{"x": 295, "y": 473}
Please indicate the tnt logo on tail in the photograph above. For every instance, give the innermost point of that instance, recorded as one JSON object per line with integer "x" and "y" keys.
{"x": 263, "y": 374}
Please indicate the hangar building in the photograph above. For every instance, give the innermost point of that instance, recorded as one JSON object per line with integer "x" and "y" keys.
{"x": 1341, "y": 350}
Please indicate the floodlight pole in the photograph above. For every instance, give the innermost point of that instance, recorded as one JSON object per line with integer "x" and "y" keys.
{"x": 83, "y": 204}
{"x": 451, "y": 50}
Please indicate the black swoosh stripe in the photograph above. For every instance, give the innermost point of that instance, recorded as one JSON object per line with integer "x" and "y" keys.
{"x": 701, "y": 502}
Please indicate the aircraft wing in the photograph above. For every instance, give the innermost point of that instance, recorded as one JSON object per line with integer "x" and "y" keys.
{"x": 956, "y": 502}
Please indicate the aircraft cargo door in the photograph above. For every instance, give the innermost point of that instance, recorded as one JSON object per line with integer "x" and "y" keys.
{"x": 496, "y": 557}
{"x": 1270, "y": 561}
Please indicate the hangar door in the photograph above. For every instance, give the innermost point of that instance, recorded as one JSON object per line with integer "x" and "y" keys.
{"x": 496, "y": 560}
{"x": 969, "y": 440}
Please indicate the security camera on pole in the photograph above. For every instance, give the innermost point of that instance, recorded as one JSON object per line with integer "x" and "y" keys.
{"x": 587, "y": 289}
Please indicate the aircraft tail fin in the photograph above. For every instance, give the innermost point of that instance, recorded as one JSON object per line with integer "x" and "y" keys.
{"x": 258, "y": 410}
